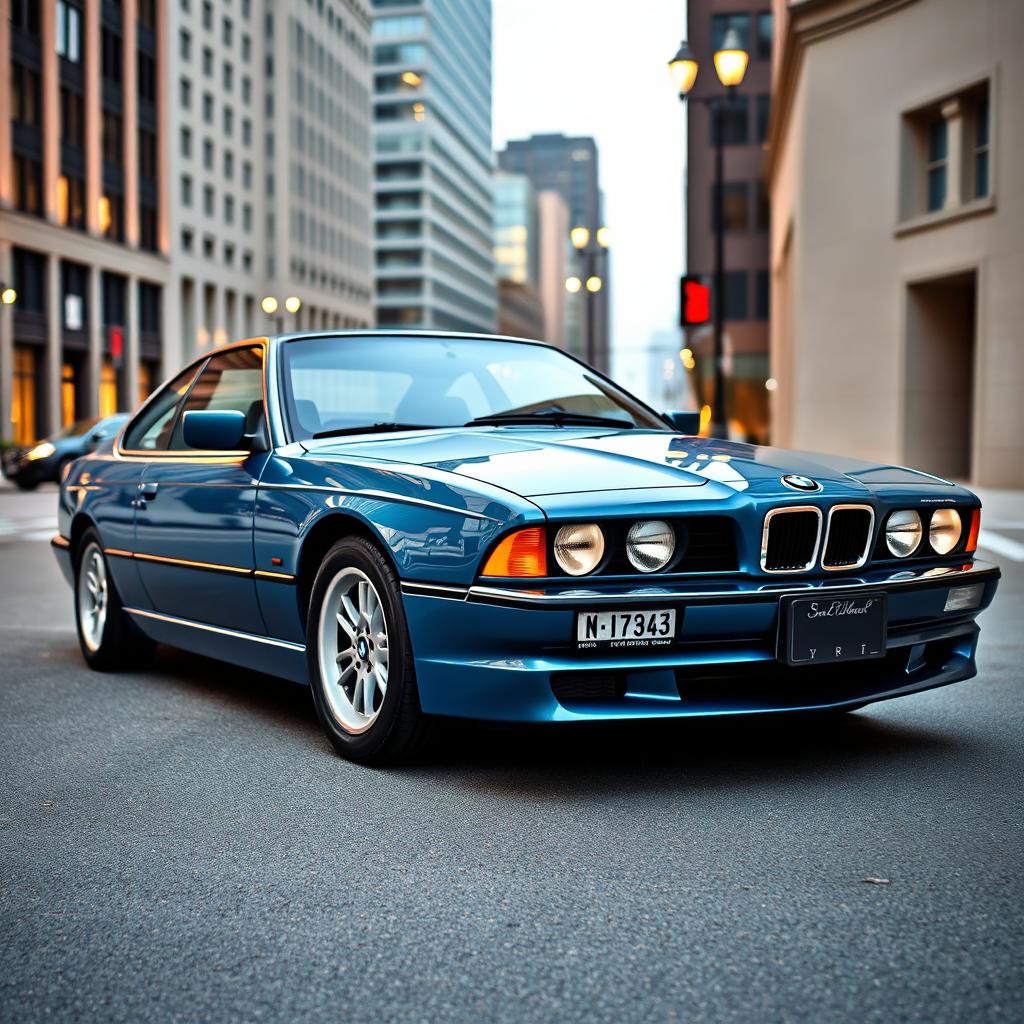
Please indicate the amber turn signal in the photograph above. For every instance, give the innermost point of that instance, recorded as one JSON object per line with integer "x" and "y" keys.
{"x": 523, "y": 553}
{"x": 972, "y": 536}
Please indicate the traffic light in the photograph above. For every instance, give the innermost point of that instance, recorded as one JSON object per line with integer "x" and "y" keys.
{"x": 694, "y": 301}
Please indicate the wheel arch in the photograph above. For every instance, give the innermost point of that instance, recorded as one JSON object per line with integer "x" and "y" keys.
{"x": 320, "y": 538}
{"x": 82, "y": 522}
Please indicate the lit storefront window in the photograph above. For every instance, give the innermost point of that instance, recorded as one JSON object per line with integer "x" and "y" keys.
{"x": 23, "y": 404}
{"x": 67, "y": 395}
{"x": 108, "y": 388}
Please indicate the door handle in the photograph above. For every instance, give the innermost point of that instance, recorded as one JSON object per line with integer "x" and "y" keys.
{"x": 147, "y": 491}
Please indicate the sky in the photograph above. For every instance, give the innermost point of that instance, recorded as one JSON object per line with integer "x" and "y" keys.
{"x": 599, "y": 67}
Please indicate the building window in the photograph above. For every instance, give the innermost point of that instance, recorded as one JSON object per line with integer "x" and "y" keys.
{"x": 246, "y": 48}
{"x": 208, "y": 154}
{"x": 24, "y": 15}
{"x": 71, "y": 201}
{"x": 72, "y": 118}
{"x": 110, "y": 139}
{"x": 185, "y": 45}
{"x": 208, "y": 107}
{"x": 187, "y": 239}
{"x": 147, "y": 154}
{"x": 246, "y": 89}
{"x": 763, "y": 114}
{"x": 247, "y": 216}
{"x": 148, "y": 235}
{"x": 762, "y": 295}
{"x": 764, "y": 35}
{"x": 229, "y": 164}
{"x": 246, "y": 174}
{"x": 246, "y": 131}
{"x": 186, "y": 142}
{"x": 735, "y": 206}
{"x": 69, "y": 32}
{"x": 207, "y": 15}
{"x": 25, "y": 94}
{"x": 23, "y": 395}
{"x": 229, "y": 77}
{"x": 110, "y": 56}
{"x": 229, "y": 121}
{"x": 720, "y": 25}
{"x": 735, "y": 295}
{"x": 208, "y": 200}
{"x": 112, "y": 217}
{"x": 762, "y": 206}
{"x": 946, "y": 153}
{"x": 734, "y": 115}
{"x": 185, "y": 94}
{"x": 229, "y": 209}
{"x": 207, "y": 62}
{"x": 982, "y": 115}
{"x": 227, "y": 32}
{"x": 186, "y": 190}
{"x": 146, "y": 78}
{"x": 938, "y": 156}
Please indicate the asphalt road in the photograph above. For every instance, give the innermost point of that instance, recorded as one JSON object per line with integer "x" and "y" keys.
{"x": 182, "y": 845}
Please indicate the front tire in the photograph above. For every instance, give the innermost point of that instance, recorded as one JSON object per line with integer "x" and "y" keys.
{"x": 360, "y": 658}
{"x": 108, "y": 638}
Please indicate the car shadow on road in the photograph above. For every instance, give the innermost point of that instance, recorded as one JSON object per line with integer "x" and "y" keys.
{"x": 608, "y": 755}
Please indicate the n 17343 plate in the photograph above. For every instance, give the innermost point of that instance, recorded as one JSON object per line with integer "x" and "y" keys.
{"x": 650, "y": 628}
{"x": 835, "y": 627}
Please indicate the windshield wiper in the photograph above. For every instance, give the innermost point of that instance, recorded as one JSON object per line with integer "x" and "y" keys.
{"x": 558, "y": 417}
{"x": 373, "y": 428}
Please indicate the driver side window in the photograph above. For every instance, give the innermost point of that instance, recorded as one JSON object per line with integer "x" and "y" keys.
{"x": 229, "y": 381}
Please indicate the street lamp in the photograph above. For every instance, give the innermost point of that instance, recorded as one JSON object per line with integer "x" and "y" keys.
{"x": 730, "y": 61}
{"x": 8, "y": 296}
{"x": 590, "y": 279}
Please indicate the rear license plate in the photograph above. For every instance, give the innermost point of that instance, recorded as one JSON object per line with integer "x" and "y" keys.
{"x": 836, "y": 628}
{"x": 650, "y": 628}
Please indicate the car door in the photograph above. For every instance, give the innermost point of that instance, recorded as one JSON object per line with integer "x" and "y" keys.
{"x": 113, "y": 488}
{"x": 194, "y": 514}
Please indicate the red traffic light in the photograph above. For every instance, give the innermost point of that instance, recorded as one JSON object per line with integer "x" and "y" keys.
{"x": 694, "y": 302}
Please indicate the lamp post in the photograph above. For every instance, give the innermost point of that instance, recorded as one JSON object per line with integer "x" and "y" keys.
{"x": 730, "y": 61}
{"x": 591, "y": 279}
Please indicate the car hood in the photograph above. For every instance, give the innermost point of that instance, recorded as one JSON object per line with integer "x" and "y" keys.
{"x": 537, "y": 462}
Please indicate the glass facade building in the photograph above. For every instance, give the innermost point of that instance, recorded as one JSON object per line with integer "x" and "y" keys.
{"x": 433, "y": 165}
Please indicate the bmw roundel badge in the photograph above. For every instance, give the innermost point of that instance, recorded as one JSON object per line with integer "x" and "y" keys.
{"x": 801, "y": 483}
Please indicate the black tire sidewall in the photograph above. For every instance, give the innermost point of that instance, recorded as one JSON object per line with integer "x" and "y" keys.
{"x": 391, "y": 731}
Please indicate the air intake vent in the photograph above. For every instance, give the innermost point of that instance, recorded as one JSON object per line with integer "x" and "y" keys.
{"x": 790, "y": 539}
{"x": 848, "y": 537}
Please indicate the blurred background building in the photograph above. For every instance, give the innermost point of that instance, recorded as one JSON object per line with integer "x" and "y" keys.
{"x": 897, "y": 218}
{"x": 433, "y": 165}
{"x": 269, "y": 141}
{"x": 517, "y": 256}
{"x": 744, "y": 122}
{"x": 83, "y": 209}
{"x": 569, "y": 167}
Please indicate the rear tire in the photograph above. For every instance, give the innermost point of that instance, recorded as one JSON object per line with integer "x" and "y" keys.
{"x": 108, "y": 638}
{"x": 360, "y": 659}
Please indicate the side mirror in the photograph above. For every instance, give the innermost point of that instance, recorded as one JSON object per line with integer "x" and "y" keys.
{"x": 93, "y": 441}
{"x": 684, "y": 422}
{"x": 219, "y": 431}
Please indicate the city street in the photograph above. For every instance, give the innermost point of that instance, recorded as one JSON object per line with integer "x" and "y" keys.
{"x": 183, "y": 845}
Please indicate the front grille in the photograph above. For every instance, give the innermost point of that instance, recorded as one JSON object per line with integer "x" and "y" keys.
{"x": 847, "y": 537}
{"x": 710, "y": 545}
{"x": 574, "y": 687}
{"x": 790, "y": 539}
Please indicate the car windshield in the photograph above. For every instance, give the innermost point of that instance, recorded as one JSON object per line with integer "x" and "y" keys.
{"x": 341, "y": 384}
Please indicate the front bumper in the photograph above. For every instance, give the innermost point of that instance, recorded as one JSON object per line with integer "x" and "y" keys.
{"x": 507, "y": 654}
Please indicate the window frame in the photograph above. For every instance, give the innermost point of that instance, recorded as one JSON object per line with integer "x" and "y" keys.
{"x": 197, "y": 366}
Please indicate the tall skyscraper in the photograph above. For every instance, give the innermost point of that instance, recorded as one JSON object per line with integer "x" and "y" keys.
{"x": 744, "y": 130}
{"x": 269, "y": 153}
{"x": 83, "y": 208}
{"x": 569, "y": 166}
{"x": 517, "y": 256}
{"x": 433, "y": 164}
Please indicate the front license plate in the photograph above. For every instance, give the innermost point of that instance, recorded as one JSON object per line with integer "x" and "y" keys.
{"x": 836, "y": 628}
{"x": 651, "y": 628}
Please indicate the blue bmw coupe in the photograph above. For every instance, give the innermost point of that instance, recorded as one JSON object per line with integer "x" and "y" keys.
{"x": 426, "y": 524}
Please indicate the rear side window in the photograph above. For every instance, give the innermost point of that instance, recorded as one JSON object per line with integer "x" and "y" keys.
{"x": 233, "y": 380}
{"x": 151, "y": 429}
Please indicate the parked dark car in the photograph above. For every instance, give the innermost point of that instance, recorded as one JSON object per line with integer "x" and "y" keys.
{"x": 45, "y": 461}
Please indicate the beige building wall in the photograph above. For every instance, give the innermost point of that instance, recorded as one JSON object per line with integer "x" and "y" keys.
{"x": 875, "y": 299}
{"x": 553, "y": 215}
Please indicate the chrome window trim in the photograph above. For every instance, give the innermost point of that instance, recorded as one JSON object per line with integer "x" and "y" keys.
{"x": 206, "y": 627}
{"x": 783, "y": 510}
{"x": 867, "y": 546}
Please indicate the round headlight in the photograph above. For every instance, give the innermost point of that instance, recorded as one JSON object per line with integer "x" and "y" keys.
{"x": 579, "y": 548}
{"x": 903, "y": 532}
{"x": 650, "y": 545}
{"x": 944, "y": 530}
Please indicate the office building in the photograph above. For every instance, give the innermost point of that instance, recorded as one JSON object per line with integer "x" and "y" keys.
{"x": 83, "y": 209}
{"x": 433, "y": 175}
{"x": 897, "y": 218}
{"x": 744, "y": 118}
{"x": 517, "y": 256}
{"x": 269, "y": 138}
{"x": 569, "y": 166}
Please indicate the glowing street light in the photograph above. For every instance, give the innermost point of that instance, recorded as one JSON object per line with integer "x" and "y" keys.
{"x": 573, "y": 285}
{"x": 580, "y": 237}
{"x": 293, "y": 304}
{"x": 594, "y": 284}
{"x": 269, "y": 305}
{"x": 8, "y": 296}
